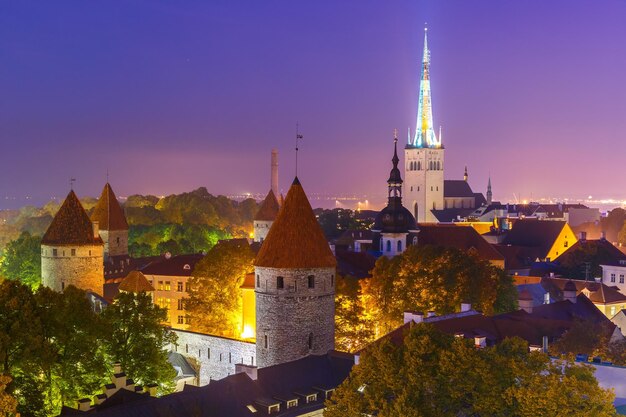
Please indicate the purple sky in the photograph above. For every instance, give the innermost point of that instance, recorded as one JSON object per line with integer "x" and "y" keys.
{"x": 170, "y": 96}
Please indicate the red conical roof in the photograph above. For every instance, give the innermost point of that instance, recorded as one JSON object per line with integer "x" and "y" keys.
{"x": 269, "y": 208}
{"x": 71, "y": 225}
{"x": 108, "y": 212}
{"x": 295, "y": 239}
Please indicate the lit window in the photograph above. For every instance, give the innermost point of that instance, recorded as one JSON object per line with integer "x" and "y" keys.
{"x": 168, "y": 286}
{"x": 292, "y": 403}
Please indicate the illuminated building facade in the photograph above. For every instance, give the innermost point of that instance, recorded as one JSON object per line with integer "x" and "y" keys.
{"x": 424, "y": 154}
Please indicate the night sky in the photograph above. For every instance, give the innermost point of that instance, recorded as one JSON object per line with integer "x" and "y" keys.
{"x": 173, "y": 95}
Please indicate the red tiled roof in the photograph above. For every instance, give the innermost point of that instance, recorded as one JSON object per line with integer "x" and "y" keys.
{"x": 135, "y": 282}
{"x": 178, "y": 266}
{"x": 269, "y": 208}
{"x": 71, "y": 225}
{"x": 295, "y": 239}
{"x": 108, "y": 212}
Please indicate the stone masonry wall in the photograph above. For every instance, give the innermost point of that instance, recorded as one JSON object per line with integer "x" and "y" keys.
{"x": 296, "y": 320}
{"x": 113, "y": 247}
{"x": 83, "y": 268}
{"x": 261, "y": 229}
{"x": 216, "y": 355}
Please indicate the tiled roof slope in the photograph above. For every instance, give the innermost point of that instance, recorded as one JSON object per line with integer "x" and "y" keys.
{"x": 71, "y": 225}
{"x": 459, "y": 237}
{"x": 457, "y": 188}
{"x": 295, "y": 239}
{"x": 269, "y": 208}
{"x": 135, "y": 282}
{"x": 108, "y": 212}
{"x": 534, "y": 233}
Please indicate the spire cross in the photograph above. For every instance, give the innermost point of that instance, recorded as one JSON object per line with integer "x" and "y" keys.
{"x": 298, "y": 136}
{"x": 72, "y": 181}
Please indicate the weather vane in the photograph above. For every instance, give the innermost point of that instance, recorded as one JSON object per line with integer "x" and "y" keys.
{"x": 72, "y": 181}
{"x": 298, "y": 136}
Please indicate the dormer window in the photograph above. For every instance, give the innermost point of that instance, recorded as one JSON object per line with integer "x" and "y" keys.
{"x": 311, "y": 397}
{"x": 187, "y": 267}
{"x": 292, "y": 403}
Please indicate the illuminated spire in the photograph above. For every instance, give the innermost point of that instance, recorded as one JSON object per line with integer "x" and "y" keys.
{"x": 424, "y": 135}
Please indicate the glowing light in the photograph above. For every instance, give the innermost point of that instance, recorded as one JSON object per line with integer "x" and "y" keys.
{"x": 248, "y": 332}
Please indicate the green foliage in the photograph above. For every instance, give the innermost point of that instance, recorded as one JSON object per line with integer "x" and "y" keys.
{"x": 433, "y": 374}
{"x": 353, "y": 327}
{"x": 22, "y": 260}
{"x": 138, "y": 340}
{"x": 174, "y": 238}
{"x": 613, "y": 223}
{"x": 214, "y": 303}
{"x": 573, "y": 266}
{"x": 436, "y": 279}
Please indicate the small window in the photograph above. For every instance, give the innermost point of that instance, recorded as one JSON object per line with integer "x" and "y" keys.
{"x": 181, "y": 319}
{"x": 565, "y": 244}
{"x": 168, "y": 286}
{"x": 621, "y": 279}
{"x": 179, "y": 286}
{"x": 220, "y": 357}
{"x": 415, "y": 240}
{"x": 181, "y": 305}
{"x": 310, "y": 398}
{"x": 280, "y": 282}
{"x": 89, "y": 253}
{"x": 258, "y": 281}
{"x": 208, "y": 353}
{"x": 55, "y": 252}
{"x": 73, "y": 252}
{"x": 389, "y": 246}
{"x": 187, "y": 320}
{"x": 311, "y": 280}
{"x": 310, "y": 341}
{"x": 186, "y": 348}
{"x": 265, "y": 342}
{"x": 62, "y": 285}
{"x": 187, "y": 267}
{"x": 332, "y": 279}
{"x": 118, "y": 241}
{"x": 612, "y": 277}
{"x": 292, "y": 403}
{"x": 230, "y": 357}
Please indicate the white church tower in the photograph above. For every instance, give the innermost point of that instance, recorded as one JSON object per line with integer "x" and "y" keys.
{"x": 424, "y": 155}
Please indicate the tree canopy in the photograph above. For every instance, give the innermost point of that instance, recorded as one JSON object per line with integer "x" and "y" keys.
{"x": 22, "y": 260}
{"x": 434, "y": 374}
{"x": 431, "y": 278}
{"x": 214, "y": 303}
{"x": 353, "y": 327}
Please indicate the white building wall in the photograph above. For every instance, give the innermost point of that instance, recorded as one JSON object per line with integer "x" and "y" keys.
{"x": 216, "y": 355}
{"x": 614, "y": 276}
{"x": 392, "y": 244}
{"x": 423, "y": 182}
{"x": 261, "y": 229}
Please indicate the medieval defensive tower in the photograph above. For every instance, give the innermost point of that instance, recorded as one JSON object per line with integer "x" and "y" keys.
{"x": 112, "y": 224}
{"x": 294, "y": 286}
{"x": 72, "y": 250}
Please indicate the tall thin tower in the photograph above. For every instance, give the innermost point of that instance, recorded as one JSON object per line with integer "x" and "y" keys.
{"x": 424, "y": 154}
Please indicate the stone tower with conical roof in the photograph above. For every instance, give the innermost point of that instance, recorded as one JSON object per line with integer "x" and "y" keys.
{"x": 112, "y": 224}
{"x": 294, "y": 286}
{"x": 269, "y": 208}
{"x": 72, "y": 250}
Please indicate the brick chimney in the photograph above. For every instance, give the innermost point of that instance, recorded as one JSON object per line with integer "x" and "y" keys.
{"x": 465, "y": 307}
{"x": 275, "y": 174}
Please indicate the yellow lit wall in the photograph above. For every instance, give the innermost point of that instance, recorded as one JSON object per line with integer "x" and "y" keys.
{"x": 248, "y": 330}
{"x": 563, "y": 242}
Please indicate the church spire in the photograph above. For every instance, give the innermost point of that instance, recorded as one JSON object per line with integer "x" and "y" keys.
{"x": 424, "y": 135}
{"x": 489, "y": 194}
{"x": 395, "y": 179}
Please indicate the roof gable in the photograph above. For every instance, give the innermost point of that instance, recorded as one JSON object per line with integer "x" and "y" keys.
{"x": 295, "y": 239}
{"x": 71, "y": 225}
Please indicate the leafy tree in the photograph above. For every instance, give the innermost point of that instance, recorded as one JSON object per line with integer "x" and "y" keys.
{"x": 353, "y": 328}
{"x": 214, "y": 302}
{"x": 574, "y": 261}
{"x": 22, "y": 260}
{"x": 431, "y": 278}
{"x": 138, "y": 340}
{"x": 8, "y": 404}
{"x": 613, "y": 223}
{"x": 434, "y": 374}
{"x": 334, "y": 222}
{"x": 74, "y": 363}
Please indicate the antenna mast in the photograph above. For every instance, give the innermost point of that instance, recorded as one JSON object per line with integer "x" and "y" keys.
{"x": 298, "y": 136}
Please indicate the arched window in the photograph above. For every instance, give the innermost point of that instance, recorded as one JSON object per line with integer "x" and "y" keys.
{"x": 415, "y": 209}
{"x": 399, "y": 246}
{"x": 310, "y": 341}
{"x": 419, "y": 165}
{"x": 438, "y": 165}
{"x": 381, "y": 245}
{"x": 415, "y": 240}
{"x": 389, "y": 246}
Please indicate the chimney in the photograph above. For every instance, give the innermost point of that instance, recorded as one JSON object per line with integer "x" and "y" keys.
{"x": 415, "y": 316}
{"x": 582, "y": 236}
{"x": 603, "y": 235}
{"x": 275, "y": 173}
{"x": 431, "y": 314}
{"x": 551, "y": 274}
{"x": 480, "y": 342}
{"x": 544, "y": 346}
{"x": 117, "y": 368}
{"x": 546, "y": 298}
{"x": 251, "y": 371}
{"x": 84, "y": 404}
{"x": 96, "y": 229}
{"x": 119, "y": 380}
{"x": 569, "y": 291}
{"x": 598, "y": 279}
{"x": 152, "y": 389}
{"x": 525, "y": 301}
{"x": 465, "y": 307}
